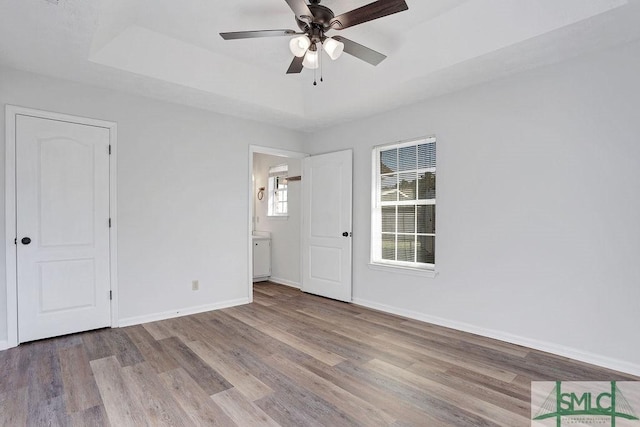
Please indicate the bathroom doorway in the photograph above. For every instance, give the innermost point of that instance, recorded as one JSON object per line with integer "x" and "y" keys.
{"x": 275, "y": 216}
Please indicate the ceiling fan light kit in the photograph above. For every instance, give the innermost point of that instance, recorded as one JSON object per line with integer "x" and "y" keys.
{"x": 301, "y": 46}
{"x": 314, "y": 20}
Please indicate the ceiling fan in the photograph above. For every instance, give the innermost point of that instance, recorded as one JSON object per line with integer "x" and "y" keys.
{"x": 315, "y": 20}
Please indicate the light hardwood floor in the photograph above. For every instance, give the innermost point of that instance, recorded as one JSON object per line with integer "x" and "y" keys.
{"x": 288, "y": 359}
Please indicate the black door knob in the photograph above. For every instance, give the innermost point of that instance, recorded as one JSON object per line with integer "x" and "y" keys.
{"x": 345, "y": 234}
{"x": 25, "y": 240}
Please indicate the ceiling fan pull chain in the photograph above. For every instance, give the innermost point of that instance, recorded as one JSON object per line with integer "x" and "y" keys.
{"x": 321, "y": 61}
{"x": 314, "y": 77}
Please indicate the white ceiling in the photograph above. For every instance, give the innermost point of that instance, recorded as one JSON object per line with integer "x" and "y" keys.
{"x": 171, "y": 50}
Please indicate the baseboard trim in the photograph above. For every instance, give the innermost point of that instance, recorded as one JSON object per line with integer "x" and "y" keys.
{"x": 137, "y": 320}
{"x": 4, "y": 345}
{"x": 572, "y": 353}
{"x": 285, "y": 282}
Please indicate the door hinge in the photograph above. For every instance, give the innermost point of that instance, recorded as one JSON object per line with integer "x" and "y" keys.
{"x": 109, "y": 149}
{"x": 109, "y": 222}
{"x": 110, "y": 295}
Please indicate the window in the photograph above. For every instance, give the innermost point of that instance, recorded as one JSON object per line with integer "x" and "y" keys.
{"x": 404, "y": 204}
{"x": 278, "y": 190}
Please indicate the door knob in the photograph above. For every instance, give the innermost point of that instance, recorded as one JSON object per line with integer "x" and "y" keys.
{"x": 345, "y": 234}
{"x": 25, "y": 240}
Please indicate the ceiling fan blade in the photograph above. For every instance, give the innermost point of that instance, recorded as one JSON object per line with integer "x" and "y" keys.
{"x": 255, "y": 34}
{"x": 361, "y": 52}
{"x": 375, "y": 10}
{"x": 301, "y": 9}
{"x": 296, "y": 65}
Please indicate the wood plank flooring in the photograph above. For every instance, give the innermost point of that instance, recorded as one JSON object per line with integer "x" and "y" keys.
{"x": 288, "y": 359}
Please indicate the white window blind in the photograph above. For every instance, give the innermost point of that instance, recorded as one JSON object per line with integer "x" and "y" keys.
{"x": 404, "y": 204}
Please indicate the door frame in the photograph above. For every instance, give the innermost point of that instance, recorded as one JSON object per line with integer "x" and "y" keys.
{"x": 257, "y": 149}
{"x": 11, "y": 113}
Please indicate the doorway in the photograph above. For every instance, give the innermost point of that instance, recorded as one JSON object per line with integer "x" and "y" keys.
{"x": 60, "y": 216}
{"x": 318, "y": 242}
{"x": 274, "y": 216}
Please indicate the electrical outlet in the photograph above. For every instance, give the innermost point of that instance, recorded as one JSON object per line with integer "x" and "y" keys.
{"x": 195, "y": 285}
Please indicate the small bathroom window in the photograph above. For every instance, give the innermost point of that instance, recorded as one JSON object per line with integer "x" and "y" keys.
{"x": 278, "y": 190}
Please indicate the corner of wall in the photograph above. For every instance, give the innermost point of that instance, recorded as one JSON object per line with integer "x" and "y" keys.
{"x": 559, "y": 350}
{"x": 154, "y": 317}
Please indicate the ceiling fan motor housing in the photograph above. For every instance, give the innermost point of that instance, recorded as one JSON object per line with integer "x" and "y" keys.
{"x": 321, "y": 22}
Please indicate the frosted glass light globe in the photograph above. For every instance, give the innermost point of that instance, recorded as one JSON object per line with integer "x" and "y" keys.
{"x": 333, "y": 47}
{"x": 311, "y": 59}
{"x": 299, "y": 45}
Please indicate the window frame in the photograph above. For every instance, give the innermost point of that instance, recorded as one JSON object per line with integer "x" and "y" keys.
{"x": 277, "y": 173}
{"x": 376, "y": 260}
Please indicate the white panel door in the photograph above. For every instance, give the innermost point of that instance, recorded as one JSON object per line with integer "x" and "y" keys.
{"x": 326, "y": 238}
{"x": 62, "y": 210}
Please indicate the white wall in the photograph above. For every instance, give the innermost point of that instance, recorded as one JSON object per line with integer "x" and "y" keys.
{"x": 538, "y": 237}
{"x": 182, "y": 193}
{"x": 285, "y": 231}
{"x": 538, "y": 203}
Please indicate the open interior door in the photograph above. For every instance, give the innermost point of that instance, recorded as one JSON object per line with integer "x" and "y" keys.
{"x": 326, "y": 228}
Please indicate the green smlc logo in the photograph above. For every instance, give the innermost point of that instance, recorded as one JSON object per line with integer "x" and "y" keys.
{"x": 610, "y": 403}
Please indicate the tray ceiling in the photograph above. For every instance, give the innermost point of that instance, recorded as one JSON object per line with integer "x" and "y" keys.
{"x": 172, "y": 51}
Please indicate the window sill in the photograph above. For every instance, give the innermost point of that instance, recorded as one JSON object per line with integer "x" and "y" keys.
{"x": 278, "y": 217}
{"x": 403, "y": 270}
